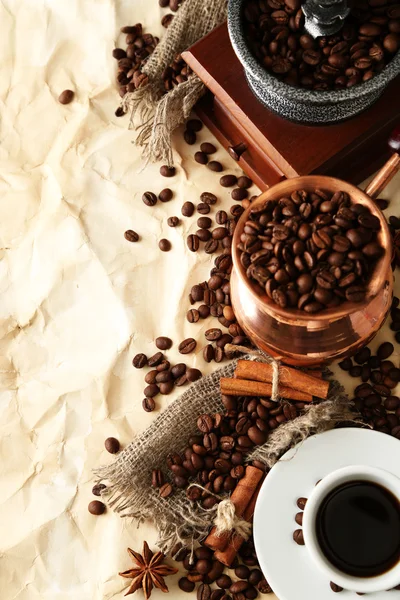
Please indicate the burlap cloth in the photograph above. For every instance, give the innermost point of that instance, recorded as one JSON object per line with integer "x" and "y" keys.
{"x": 128, "y": 479}
{"x": 160, "y": 114}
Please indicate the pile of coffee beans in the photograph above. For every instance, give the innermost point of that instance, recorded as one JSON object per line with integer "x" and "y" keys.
{"x": 163, "y": 376}
{"x": 312, "y": 250}
{"x": 244, "y": 583}
{"x": 373, "y": 398}
{"x": 214, "y": 456}
{"x": 176, "y": 73}
{"x": 139, "y": 47}
{"x": 368, "y": 40}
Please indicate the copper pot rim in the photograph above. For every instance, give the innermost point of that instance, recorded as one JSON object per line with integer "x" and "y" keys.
{"x": 347, "y": 308}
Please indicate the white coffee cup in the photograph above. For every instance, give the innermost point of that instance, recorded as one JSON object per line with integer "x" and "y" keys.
{"x": 387, "y": 580}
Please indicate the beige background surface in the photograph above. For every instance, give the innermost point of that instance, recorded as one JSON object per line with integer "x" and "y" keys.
{"x": 76, "y": 300}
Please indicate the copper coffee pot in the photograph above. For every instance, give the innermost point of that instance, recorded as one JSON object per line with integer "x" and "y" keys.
{"x": 301, "y": 339}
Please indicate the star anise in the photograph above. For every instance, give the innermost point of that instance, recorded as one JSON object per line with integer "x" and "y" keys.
{"x": 149, "y": 573}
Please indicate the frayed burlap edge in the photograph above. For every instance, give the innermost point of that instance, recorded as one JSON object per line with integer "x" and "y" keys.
{"x": 129, "y": 492}
{"x": 159, "y": 115}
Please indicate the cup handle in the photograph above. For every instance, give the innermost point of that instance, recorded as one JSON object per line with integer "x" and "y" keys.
{"x": 389, "y": 170}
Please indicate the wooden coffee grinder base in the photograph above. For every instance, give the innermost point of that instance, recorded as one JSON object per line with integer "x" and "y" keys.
{"x": 269, "y": 148}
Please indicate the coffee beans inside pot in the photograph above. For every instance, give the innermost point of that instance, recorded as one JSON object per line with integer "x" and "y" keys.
{"x": 368, "y": 40}
{"x": 311, "y": 250}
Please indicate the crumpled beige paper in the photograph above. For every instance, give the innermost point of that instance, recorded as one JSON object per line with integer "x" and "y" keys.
{"x": 77, "y": 300}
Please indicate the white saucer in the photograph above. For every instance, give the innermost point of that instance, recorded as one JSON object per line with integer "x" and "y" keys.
{"x": 286, "y": 565}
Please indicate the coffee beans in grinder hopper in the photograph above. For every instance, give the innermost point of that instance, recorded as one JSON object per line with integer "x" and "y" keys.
{"x": 312, "y": 250}
{"x": 368, "y": 40}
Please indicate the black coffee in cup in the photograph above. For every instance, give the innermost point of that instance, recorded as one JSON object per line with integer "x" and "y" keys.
{"x": 358, "y": 528}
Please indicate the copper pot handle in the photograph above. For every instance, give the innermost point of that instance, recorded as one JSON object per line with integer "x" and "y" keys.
{"x": 389, "y": 170}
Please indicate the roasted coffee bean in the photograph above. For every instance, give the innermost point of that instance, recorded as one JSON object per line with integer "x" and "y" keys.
{"x": 187, "y": 346}
{"x": 98, "y": 488}
{"x": 131, "y": 236}
{"x": 66, "y": 97}
{"x": 264, "y": 587}
{"x": 187, "y": 209}
{"x": 208, "y": 353}
{"x": 208, "y": 198}
{"x": 173, "y": 221}
{"x": 166, "y": 490}
{"x": 193, "y": 242}
{"x": 301, "y": 503}
{"x": 203, "y": 208}
{"x": 163, "y": 343}
{"x": 385, "y": 350}
{"x": 167, "y": 171}
{"x": 157, "y": 478}
{"x": 208, "y": 148}
{"x": 201, "y": 158}
{"x": 335, "y": 588}
{"x": 149, "y": 198}
{"x": 96, "y": 507}
{"x": 165, "y": 195}
{"x": 298, "y": 537}
{"x": 255, "y": 577}
{"x": 239, "y": 194}
{"x": 164, "y": 245}
{"x": 228, "y": 180}
{"x": 193, "y": 375}
{"x": 193, "y": 315}
{"x": 224, "y": 582}
{"x": 189, "y": 137}
{"x": 185, "y": 585}
{"x": 139, "y": 361}
{"x": 156, "y": 359}
{"x": 204, "y": 592}
{"x": 215, "y": 165}
{"x": 111, "y": 445}
{"x": 151, "y": 390}
{"x": 204, "y": 222}
{"x": 244, "y": 182}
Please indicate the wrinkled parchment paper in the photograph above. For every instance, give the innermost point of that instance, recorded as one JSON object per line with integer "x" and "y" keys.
{"x": 76, "y": 300}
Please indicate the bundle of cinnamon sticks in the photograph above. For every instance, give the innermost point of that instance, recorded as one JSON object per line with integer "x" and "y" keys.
{"x": 255, "y": 379}
{"x": 244, "y": 498}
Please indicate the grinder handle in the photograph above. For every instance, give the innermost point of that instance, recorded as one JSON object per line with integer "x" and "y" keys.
{"x": 389, "y": 170}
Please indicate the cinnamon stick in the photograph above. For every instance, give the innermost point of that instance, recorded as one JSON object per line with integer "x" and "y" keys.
{"x": 227, "y": 555}
{"x": 291, "y": 378}
{"x": 244, "y": 387}
{"x": 241, "y": 498}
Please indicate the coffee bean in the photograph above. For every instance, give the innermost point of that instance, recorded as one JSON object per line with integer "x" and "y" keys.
{"x": 385, "y": 350}
{"x": 264, "y": 587}
{"x": 166, "y": 490}
{"x": 298, "y": 537}
{"x": 190, "y": 137}
{"x": 111, "y": 445}
{"x": 131, "y": 236}
{"x": 211, "y": 246}
{"x": 165, "y": 195}
{"x": 193, "y": 315}
{"x": 187, "y": 209}
{"x": 228, "y": 180}
{"x": 149, "y": 198}
{"x": 203, "y": 208}
{"x": 193, "y": 242}
{"x": 173, "y": 221}
{"x": 178, "y": 370}
{"x": 96, "y": 507}
{"x": 187, "y": 346}
{"x": 221, "y": 217}
{"x": 193, "y": 375}
{"x": 157, "y": 478}
{"x": 167, "y": 171}
{"x": 201, "y": 158}
{"x": 244, "y": 182}
{"x": 207, "y": 148}
{"x": 204, "y": 592}
{"x": 98, "y": 488}
{"x": 185, "y": 585}
{"x": 215, "y": 165}
{"x": 224, "y": 582}
{"x": 194, "y": 125}
{"x": 164, "y": 245}
{"x": 204, "y": 222}
{"x": 139, "y": 361}
{"x": 156, "y": 359}
{"x": 239, "y": 193}
{"x": 335, "y": 588}
{"x": 163, "y": 343}
{"x": 151, "y": 390}
{"x": 208, "y": 198}
{"x": 66, "y": 97}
